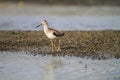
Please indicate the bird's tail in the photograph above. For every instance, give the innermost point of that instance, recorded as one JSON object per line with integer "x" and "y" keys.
{"x": 62, "y": 34}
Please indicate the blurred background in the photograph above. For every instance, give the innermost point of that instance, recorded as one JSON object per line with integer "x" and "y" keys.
{"x": 69, "y": 2}
{"x": 60, "y": 14}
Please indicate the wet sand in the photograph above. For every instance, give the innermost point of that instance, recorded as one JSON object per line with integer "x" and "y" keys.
{"x": 90, "y": 44}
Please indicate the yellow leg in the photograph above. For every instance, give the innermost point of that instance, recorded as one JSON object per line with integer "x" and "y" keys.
{"x": 59, "y": 48}
{"x": 52, "y": 46}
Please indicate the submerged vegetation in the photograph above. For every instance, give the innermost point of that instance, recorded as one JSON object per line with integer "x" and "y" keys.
{"x": 93, "y": 44}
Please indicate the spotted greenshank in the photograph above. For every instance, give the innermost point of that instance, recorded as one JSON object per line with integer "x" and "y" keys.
{"x": 51, "y": 34}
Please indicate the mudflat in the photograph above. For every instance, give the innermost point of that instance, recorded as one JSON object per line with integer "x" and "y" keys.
{"x": 90, "y": 44}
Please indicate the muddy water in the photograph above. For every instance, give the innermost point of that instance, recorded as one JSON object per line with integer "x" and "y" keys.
{"x": 18, "y": 65}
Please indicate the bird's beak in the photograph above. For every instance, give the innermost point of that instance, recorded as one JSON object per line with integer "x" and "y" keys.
{"x": 38, "y": 25}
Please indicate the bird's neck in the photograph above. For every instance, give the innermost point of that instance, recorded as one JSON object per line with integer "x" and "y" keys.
{"x": 45, "y": 28}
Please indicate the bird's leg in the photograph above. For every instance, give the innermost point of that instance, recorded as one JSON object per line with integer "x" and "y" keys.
{"x": 59, "y": 48}
{"x": 52, "y": 45}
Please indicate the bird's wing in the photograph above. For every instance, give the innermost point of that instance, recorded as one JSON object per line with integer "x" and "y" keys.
{"x": 57, "y": 33}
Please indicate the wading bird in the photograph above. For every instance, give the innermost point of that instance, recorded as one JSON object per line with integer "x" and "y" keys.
{"x": 51, "y": 34}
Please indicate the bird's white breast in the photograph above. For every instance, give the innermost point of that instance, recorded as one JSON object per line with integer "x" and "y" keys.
{"x": 50, "y": 35}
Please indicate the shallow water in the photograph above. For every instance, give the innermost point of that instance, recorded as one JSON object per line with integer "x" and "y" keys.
{"x": 60, "y": 22}
{"x": 27, "y": 16}
{"x": 18, "y": 65}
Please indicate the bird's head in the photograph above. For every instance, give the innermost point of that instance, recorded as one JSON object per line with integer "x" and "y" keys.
{"x": 44, "y": 22}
